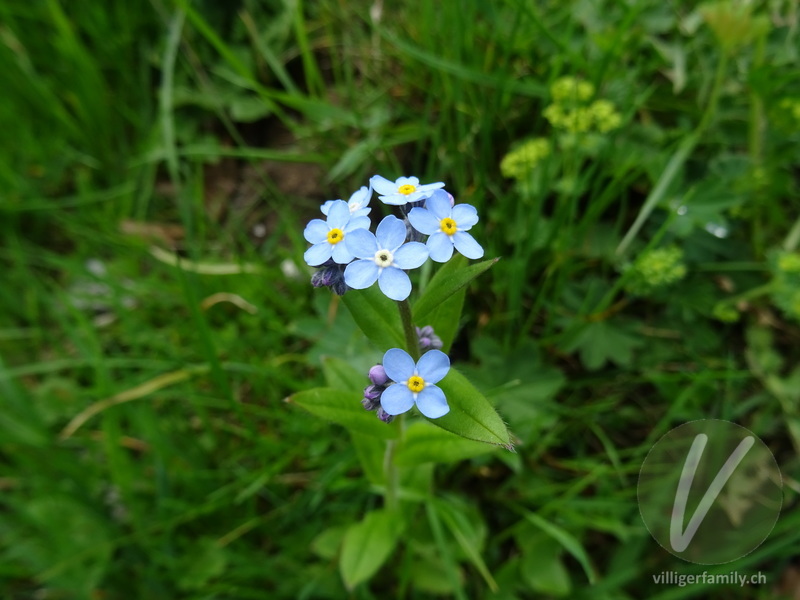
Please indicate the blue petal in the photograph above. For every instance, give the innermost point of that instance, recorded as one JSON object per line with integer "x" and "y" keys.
{"x": 440, "y": 246}
{"x": 358, "y": 222}
{"x": 439, "y": 204}
{"x": 361, "y": 243}
{"x": 326, "y": 207}
{"x": 341, "y": 254}
{"x": 430, "y": 187}
{"x": 431, "y": 402}
{"x": 382, "y": 185}
{"x": 401, "y": 181}
{"x": 397, "y": 399}
{"x": 391, "y": 233}
{"x": 423, "y": 220}
{"x": 394, "y": 283}
{"x": 433, "y": 366}
{"x": 360, "y": 198}
{"x": 362, "y": 212}
{"x": 338, "y": 214}
{"x": 361, "y": 274}
{"x": 415, "y": 196}
{"x": 318, "y": 254}
{"x": 394, "y": 199}
{"x": 399, "y": 366}
{"x": 467, "y": 245}
{"x": 410, "y": 255}
{"x": 465, "y": 216}
{"x": 316, "y": 231}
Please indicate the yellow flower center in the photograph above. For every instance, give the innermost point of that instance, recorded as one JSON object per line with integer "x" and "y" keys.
{"x": 448, "y": 226}
{"x": 415, "y": 383}
{"x": 407, "y": 189}
{"x": 335, "y": 236}
{"x": 383, "y": 258}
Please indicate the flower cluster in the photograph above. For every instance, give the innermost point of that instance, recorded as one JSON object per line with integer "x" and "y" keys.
{"x": 518, "y": 163}
{"x": 655, "y": 269}
{"x": 400, "y": 383}
{"x": 571, "y": 111}
{"x": 349, "y": 255}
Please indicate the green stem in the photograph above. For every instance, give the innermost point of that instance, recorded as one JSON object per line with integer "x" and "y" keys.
{"x": 390, "y": 497}
{"x": 412, "y": 344}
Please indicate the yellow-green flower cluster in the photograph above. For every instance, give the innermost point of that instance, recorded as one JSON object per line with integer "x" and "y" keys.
{"x": 733, "y": 22}
{"x": 655, "y": 269}
{"x": 518, "y": 163}
{"x": 785, "y": 267}
{"x": 790, "y": 111}
{"x": 725, "y": 312}
{"x": 571, "y": 111}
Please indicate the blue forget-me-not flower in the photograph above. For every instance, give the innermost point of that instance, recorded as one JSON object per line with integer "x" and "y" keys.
{"x": 327, "y": 236}
{"x": 383, "y": 256}
{"x": 447, "y": 226}
{"x": 402, "y": 191}
{"x": 415, "y": 383}
{"x": 357, "y": 204}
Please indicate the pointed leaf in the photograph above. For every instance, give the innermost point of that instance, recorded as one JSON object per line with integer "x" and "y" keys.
{"x": 377, "y": 316}
{"x": 344, "y": 408}
{"x": 452, "y": 277}
{"x": 367, "y": 545}
{"x": 567, "y": 541}
{"x": 471, "y": 415}
{"x": 342, "y": 375}
{"x": 423, "y": 443}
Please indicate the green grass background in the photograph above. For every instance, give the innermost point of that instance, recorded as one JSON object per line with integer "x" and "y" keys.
{"x": 158, "y": 161}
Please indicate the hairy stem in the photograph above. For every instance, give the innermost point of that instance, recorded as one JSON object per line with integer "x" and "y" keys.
{"x": 412, "y": 344}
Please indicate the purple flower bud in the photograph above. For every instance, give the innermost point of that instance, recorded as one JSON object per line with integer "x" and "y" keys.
{"x": 378, "y": 376}
{"x": 330, "y": 275}
{"x": 428, "y": 340}
{"x": 452, "y": 200}
{"x": 372, "y": 397}
{"x": 384, "y": 416}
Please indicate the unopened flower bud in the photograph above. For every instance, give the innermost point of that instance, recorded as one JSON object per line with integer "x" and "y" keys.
{"x": 330, "y": 275}
{"x": 428, "y": 340}
{"x": 384, "y": 416}
{"x": 372, "y": 397}
{"x": 378, "y": 376}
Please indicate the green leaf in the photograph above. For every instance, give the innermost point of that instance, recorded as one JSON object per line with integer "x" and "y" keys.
{"x": 370, "y": 451}
{"x": 424, "y": 443}
{"x": 567, "y": 541}
{"x": 468, "y": 535}
{"x": 601, "y": 342}
{"x": 377, "y": 316}
{"x": 341, "y": 374}
{"x": 541, "y": 566}
{"x": 342, "y": 407}
{"x": 471, "y": 415}
{"x": 367, "y": 545}
{"x": 445, "y": 318}
{"x": 452, "y": 277}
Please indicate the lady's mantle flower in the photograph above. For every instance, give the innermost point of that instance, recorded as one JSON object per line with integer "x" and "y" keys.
{"x": 327, "y": 237}
{"x": 383, "y": 257}
{"x": 357, "y": 203}
{"x": 415, "y": 383}
{"x": 402, "y": 191}
{"x": 447, "y": 227}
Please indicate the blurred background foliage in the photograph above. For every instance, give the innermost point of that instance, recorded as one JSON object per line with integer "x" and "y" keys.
{"x": 634, "y": 164}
